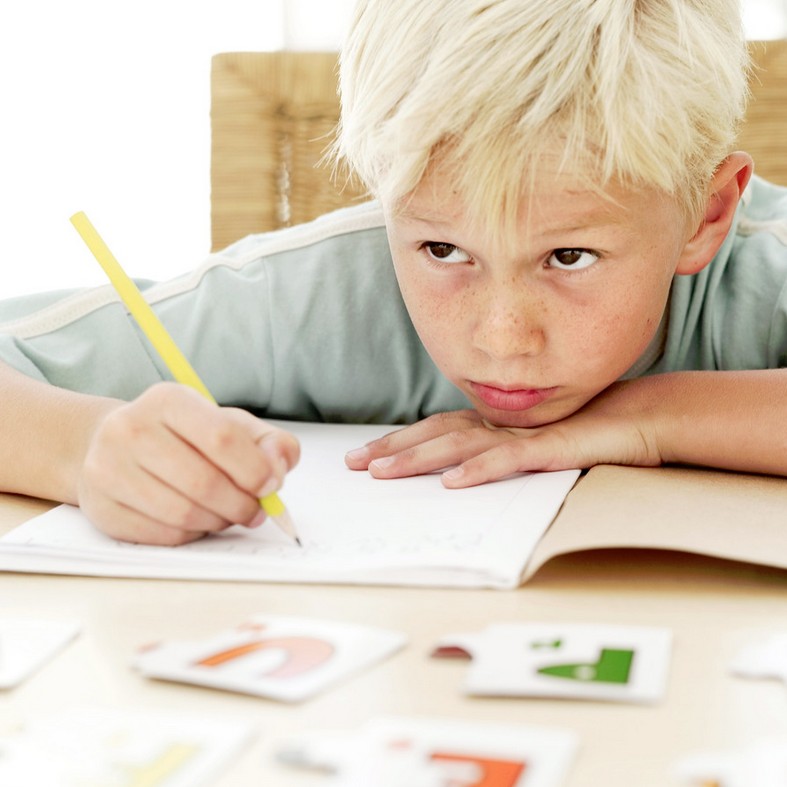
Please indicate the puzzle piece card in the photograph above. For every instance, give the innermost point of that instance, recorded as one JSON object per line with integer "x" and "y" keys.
{"x": 761, "y": 764}
{"x": 578, "y": 661}
{"x": 283, "y": 658}
{"x": 401, "y": 752}
{"x": 765, "y": 659}
{"x": 27, "y": 643}
{"x": 93, "y": 746}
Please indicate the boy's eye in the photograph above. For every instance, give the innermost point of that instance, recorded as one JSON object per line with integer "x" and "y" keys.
{"x": 445, "y": 252}
{"x": 572, "y": 259}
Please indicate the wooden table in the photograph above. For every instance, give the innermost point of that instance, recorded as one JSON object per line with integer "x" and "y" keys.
{"x": 713, "y": 608}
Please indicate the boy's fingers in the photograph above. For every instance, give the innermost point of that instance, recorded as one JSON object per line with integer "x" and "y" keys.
{"x": 136, "y": 489}
{"x": 443, "y": 451}
{"x": 541, "y": 449}
{"x": 411, "y": 436}
{"x": 162, "y": 475}
{"x": 171, "y": 466}
{"x": 282, "y": 448}
{"x": 127, "y": 524}
{"x": 230, "y": 439}
{"x": 182, "y": 504}
{"x": 481, "y": 455}
{"x": 224, "y": 442}
{"x": 189, "y": 483}
{"x": 498, "y": 462}
{"x": 185, "y": 461}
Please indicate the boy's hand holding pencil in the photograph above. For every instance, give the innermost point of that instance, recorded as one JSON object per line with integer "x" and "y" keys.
{"x": 170, "y": 466}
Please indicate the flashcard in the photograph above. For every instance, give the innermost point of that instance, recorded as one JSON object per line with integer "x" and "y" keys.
{"x": 766, "y": 659}
{"x": 616, "y": 663}
{"x": 283, "y": 658}
{"x": 401, "y": 752}
{"x": 761, "y": 764}
{"x": 93, "y": 746}
{"x": 26, "y": 644}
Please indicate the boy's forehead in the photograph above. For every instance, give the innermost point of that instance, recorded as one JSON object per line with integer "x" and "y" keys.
{"x": 560, "y": 200}
{"x": 560, "y": 209}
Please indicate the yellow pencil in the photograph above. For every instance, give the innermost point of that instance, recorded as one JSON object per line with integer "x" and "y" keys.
{"x": 163, "y": 343}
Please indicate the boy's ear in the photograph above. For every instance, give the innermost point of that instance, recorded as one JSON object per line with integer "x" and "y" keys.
{"x": 726, "y": 188}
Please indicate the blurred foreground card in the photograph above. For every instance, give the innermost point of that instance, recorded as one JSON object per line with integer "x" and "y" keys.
{"x": 27, "y": 643}
{"x": 760, "y": 764}
{"x": 95, "y": 746}
{"x": 401, "y": 752}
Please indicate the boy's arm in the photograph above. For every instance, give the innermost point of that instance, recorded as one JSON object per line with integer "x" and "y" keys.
{"x": 45, "y": 432}
{"x": 165, "y": 468}
{"x": 731, "y": 420}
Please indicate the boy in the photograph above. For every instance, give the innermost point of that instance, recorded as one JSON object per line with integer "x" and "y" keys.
{"x": 581, "y": 272}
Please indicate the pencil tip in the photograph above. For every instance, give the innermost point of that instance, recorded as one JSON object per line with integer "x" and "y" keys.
{"x": 298, "y": 541}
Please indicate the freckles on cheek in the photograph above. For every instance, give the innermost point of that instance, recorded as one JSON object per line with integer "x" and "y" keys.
{"x": 434, "y": 317}
{"x": 604, "y": 338}
{"x": 628, "y": 336}
{"x": 430, "y": 294}
{"x": 439, "y": 320}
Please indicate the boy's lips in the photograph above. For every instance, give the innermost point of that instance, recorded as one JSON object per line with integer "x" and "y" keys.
{"x": 510, "y": 398}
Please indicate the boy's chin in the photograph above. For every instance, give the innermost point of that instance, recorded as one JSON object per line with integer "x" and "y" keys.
{"x": 525, "y": 419}
{"x": 515, "y": 420}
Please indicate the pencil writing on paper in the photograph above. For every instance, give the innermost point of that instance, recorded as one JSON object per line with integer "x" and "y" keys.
{"x": 163, "y": 343}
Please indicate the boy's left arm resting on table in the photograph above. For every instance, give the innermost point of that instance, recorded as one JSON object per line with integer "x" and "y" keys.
{"x": 730, "y": 420}
{"x": 734, "y": 420}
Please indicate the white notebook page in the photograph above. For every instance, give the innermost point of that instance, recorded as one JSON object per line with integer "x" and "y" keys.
{"x": 354, "y": 528}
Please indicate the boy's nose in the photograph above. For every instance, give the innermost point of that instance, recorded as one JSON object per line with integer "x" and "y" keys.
{"x": 506, "y": 331}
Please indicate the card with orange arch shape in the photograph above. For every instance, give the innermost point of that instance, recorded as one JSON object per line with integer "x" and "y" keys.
{"x": 279, "y": 657}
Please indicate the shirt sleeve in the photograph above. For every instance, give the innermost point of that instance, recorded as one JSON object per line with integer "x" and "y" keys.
{"x": 81, "y": 340}
{"x": 307, "y": 323}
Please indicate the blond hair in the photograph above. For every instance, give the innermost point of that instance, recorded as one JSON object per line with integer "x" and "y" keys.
{"x": 646, "y": 92}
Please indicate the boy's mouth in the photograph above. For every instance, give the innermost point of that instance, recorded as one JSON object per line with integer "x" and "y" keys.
{"x": 510, "y": 398}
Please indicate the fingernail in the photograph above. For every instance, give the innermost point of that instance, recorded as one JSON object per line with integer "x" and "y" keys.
{"x": 358, "y": 454}
{"x": 454, "y": 473}
{"x": 270, "y": 486}
{"x": 383, "y": 462}
{"x": 259, "y": 518}
{"x": 277, "y": 461}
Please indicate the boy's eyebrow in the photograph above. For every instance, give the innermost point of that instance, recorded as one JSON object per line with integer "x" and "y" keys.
{"x": 408, "y": 213}
{"x": 587, "y": 217}
{"x": 593, "y": 220}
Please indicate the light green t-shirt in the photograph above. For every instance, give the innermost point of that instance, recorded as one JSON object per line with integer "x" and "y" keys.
{"x": 308, "y": 322}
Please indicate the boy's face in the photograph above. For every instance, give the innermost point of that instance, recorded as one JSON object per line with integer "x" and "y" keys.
{"x": 533, "y": 328}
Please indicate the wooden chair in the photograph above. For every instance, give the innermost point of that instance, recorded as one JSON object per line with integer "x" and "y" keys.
{"x": 272, "y": 117}
{"x": 273, "y": 113}
{"x": 764, "y": 134}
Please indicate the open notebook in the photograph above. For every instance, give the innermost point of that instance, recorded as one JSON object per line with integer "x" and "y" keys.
{"x": 414, "y": 532}
{"x": 354, "y": 529}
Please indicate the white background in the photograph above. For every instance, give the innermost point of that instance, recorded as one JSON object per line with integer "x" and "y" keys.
{"x": 105, "y": 108}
